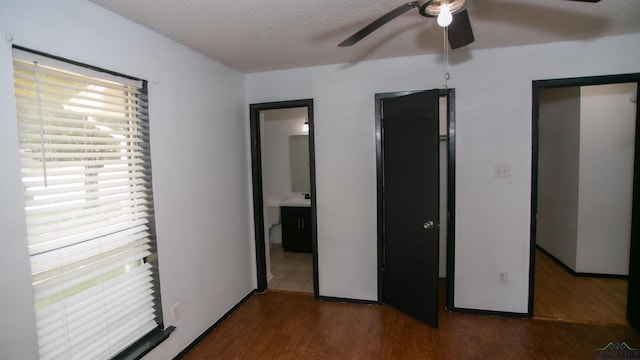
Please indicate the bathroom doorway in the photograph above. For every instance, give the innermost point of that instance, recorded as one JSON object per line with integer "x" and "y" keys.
{"x": 283, "y": 167}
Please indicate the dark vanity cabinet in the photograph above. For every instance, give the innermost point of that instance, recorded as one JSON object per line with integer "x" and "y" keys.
{"x": 296, "y": 228}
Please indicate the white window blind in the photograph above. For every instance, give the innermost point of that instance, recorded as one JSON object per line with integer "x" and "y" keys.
{"x": 84, "y": 147}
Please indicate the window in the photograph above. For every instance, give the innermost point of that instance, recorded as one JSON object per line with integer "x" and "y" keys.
{"x": 84, "y": 147}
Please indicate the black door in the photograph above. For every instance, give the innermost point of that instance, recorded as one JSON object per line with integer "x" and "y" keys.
{"x": 633, "y": 295}
{"x": 411, "y": 203}
{"x": 633, "y": 299}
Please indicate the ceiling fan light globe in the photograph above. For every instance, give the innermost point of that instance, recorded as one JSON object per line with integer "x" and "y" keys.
{"x": 445, "y": 17}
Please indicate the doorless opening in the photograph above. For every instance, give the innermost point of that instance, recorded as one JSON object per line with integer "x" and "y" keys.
{"x": 300, "y": 178}
{"x": 581, "y": 248}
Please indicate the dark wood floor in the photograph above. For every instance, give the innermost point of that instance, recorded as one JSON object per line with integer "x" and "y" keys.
{"x": 560, "y": 295}
{"x": 278, "y": 325}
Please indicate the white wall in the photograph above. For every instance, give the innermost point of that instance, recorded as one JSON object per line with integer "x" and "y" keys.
{"x": 199, "y": 153}
{"x": 558, "y": 173}
{"x": 493, "y": 113}
{"x": 607, "y": 145}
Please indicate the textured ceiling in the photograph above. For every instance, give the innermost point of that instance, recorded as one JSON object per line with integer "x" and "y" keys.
{"x": 261, "y": 35}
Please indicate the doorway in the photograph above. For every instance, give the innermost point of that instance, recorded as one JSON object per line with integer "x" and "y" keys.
{"x": 445, "y": 104}
{"x": 585, "y": 179}
{"x": 275, "y": 207}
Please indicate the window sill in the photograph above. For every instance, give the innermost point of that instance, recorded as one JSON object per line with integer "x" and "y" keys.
{"x": 141, "y": 347}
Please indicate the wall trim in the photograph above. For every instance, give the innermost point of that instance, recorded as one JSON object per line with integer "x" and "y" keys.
{"x": 350, "y": 301}
{"x": 579, "y": 274}
{"x": 490, "y": 312}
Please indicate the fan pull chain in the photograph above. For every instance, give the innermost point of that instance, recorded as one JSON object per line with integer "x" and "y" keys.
{"x": 446, "y": 58}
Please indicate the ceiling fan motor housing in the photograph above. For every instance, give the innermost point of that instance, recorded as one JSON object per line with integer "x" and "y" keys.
{"x": 431, "y": 8}
{"x": 459, "y": 27}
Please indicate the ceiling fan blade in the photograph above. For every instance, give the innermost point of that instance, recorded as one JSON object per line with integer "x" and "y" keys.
{"x": 378, "y": 23}
{"x": 460, "y": 33}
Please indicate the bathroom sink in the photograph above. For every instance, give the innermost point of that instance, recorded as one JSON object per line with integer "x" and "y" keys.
{"x": 297, "y": 202}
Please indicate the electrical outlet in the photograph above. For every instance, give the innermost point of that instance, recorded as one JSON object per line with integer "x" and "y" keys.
{"x": 502, "y": 171}
{"x": 502, "y": 278}
{"x": 175, "y": 312}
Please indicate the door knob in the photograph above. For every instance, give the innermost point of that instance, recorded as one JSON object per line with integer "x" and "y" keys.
{"x": 430, "y": 225}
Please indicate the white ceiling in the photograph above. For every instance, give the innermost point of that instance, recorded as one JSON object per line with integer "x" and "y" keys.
{"x": 261, "y": 35}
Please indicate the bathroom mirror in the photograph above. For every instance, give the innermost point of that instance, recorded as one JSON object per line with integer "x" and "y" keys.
{"x": 299, "y": 163}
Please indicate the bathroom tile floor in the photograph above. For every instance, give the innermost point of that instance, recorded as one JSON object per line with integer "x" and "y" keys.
{"x": 291, "y": 271}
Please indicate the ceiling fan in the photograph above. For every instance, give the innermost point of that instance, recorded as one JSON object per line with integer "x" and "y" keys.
{"x": 451, "y": 14}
